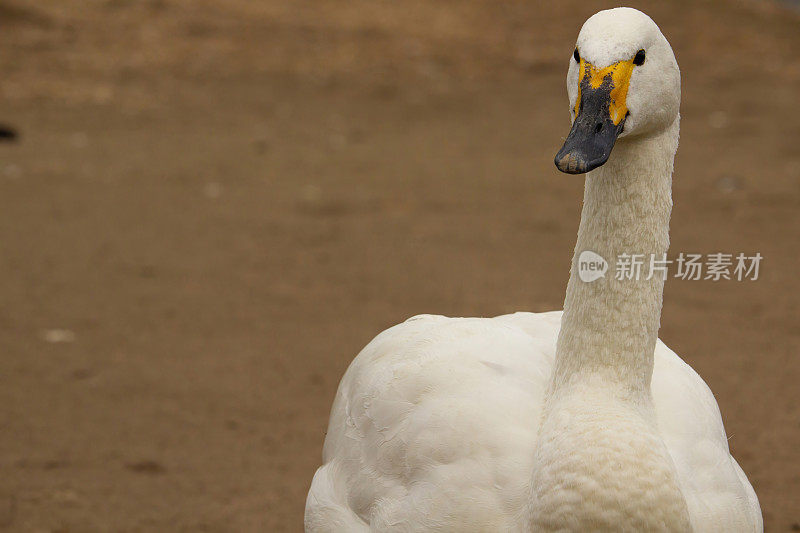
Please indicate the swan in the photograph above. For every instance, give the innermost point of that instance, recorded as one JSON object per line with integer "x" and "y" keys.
{"x": 581, "y": 420}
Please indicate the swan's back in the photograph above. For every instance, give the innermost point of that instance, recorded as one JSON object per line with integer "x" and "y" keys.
{"x": 434, "y": 428}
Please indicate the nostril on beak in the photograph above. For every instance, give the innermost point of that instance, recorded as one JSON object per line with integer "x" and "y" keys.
{"x": 598, "y": 128}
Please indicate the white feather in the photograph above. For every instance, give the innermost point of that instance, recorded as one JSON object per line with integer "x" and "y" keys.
{"x": 434, "y": 428}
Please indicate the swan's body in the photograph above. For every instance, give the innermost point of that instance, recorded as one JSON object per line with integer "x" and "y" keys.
{"x": 549, "y": 422}
{"x": 435, "y": 424}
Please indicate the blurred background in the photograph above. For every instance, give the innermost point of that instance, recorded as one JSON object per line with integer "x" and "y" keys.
{"x": 208, "y": 207}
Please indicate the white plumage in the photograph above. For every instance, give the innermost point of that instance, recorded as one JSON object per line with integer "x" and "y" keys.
{"x": 581, "y": 421}
{"x": 435, "y": 422}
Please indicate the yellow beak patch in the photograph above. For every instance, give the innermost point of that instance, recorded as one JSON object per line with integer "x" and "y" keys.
{"x": 619, "y": 77}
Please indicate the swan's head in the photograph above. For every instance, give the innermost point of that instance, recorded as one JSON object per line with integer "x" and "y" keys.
{"x": 623, "y": 81}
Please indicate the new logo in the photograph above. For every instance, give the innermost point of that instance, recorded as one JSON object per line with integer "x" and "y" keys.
{"x": 591, "y": 266}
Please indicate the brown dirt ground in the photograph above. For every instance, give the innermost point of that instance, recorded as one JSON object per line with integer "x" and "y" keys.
{"x": 224, "y": 201}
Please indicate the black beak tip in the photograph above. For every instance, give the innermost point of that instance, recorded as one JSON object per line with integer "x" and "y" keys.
{"x": 571, "y": 163}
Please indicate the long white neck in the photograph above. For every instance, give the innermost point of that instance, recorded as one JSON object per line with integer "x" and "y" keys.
{"x": 610, "y": 326}
{"x": 599, "y": 450}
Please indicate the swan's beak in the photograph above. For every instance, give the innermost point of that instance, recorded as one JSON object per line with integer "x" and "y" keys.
{"x": 600, "y": 112}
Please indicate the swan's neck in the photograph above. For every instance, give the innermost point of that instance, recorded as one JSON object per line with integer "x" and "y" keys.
{"x": 610, "y": 326}
{"x": 599, "y": 451}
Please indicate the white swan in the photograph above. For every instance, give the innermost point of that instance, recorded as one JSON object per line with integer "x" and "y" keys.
{"x": 581, "y": 421}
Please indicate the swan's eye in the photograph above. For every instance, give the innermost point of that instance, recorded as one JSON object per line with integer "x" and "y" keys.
{"x": 638, "y": 58}
{"x": 577, "y": 56}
